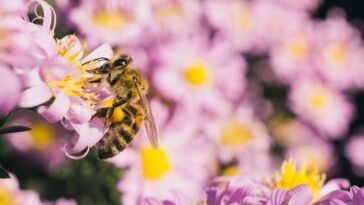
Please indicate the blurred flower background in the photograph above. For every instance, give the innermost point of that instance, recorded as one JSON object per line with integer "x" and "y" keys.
{"x": 255, "y": 102}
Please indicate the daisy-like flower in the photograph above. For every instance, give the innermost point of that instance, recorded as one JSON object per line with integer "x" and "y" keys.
{"x": 60, "y": 83}
{"x": 177, "y": 166}
{"x": 43, "y": 144}
{"x": 11, "y": 194}
{"x": 170, "y": 18}
{"x": 112, "y": 21}
{"x": 305, "y": 5}
{"x": 339, "y": 53}
{"x": 10, "y": 92}
{"x": 302, "y": 144}
{"x": 327, "y": 110}
{"x": 240, "y": 136}
{"x": 292, "y": 55}
{"x": 353, "y": 152}
{"x": 236, "y": 22}
{"x": 199, "y": 75}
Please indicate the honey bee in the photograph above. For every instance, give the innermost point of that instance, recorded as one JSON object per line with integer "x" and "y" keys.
{"x": 128, "y": 86}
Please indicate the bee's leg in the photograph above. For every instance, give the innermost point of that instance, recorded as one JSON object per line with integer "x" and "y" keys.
{"x": 96, "y": 80}
{"x": 100, "y": 112}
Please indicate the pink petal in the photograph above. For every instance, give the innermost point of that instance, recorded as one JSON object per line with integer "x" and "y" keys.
{"x": 80, "y": 113}
{"x": 57, "y": 110}
{"x": 34, "y": 96}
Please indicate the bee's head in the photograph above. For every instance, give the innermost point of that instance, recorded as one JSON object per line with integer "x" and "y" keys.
{"x": 120, "y": 63}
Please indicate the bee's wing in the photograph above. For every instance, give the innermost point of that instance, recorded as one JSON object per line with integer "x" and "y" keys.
{"x": 149, "y": 119}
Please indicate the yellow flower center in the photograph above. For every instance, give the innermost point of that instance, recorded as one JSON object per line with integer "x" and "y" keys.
{"x": 298, "y": 47}
{"x": 169, "y": 12}
{"x": 154, "y": 162}
{"x": 319, "y": 99}
{"x": 243, "y": 16}
{"x": 230, "y": 171}
{"x": 118, "y": 114}
{"x": 71, "y": 85}
{"x": 109, "y": 19}
{"x": 43, "y": 135}
{"x": 6, "y": 197}
{"x": 335, "y": 53}
{"x": 290, "y": 177}
{"x": 197, "y": 75}
{"x": 236, "y": 135}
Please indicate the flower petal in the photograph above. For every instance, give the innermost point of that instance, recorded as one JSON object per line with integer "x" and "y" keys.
{"x": 34, "y": 96}
{"x": 104, "y": 51}
{"x": 57, "y": 110}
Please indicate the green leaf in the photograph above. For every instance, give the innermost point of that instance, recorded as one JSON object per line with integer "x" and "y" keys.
{"x": 3, "y": 173}
{"x": 12, "y": 129}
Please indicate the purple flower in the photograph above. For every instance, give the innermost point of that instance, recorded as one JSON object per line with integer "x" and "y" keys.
{"x": 10, "y": 90}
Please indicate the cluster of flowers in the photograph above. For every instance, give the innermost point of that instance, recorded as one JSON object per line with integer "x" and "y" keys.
{"x": 208, "y": 63}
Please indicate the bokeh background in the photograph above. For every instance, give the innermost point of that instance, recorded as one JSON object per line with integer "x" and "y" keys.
{"x": 236, "y": 87}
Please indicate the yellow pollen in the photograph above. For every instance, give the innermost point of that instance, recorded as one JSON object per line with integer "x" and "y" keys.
{"x": 118, "y": 113}
{"x": 6, "y": 197}
{"x": 297, "y": 47}
{"x": 154, "y": 162}
{"x": 73, "y": 87}
{"x": 319, "y": 99}
{"x": 290, "y": 177}
{"x": 196, "y": 75}
{"x": 109, "y": 19}
{"x": 43, "y": 135}
{"x": 236, "y": 135}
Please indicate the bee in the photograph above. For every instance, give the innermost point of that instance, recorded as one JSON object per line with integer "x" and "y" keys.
{"x": 128, "y": 86}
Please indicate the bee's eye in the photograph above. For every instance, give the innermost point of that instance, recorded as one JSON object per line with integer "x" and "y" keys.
{"x": 120, "y": 63}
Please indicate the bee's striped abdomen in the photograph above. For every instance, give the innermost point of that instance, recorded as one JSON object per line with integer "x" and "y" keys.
{"x": 121, "y": 133}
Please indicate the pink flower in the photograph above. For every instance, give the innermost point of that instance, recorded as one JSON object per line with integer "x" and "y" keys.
{"x": 114, "y": 22}
{"x": 200, "y": 71}
{"x": 306, "y": 5}
{"x": 10, "y": 90}
{"x": 11, "y": 193}
{"x": 162, "y": 172}
{"x": 339, "y": 53}
{"x": 353, "y": 151}
{"x": 327, "y": 110}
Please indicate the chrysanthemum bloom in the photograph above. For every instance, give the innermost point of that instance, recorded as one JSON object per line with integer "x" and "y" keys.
{"x": 301, "y": 143}
{"x": 10, "y": 90}
{"x": 61, "y": 80}
{"x": 235, "y": 21}
{"x": 169, "y": 19}
{"x": 181, "y": 163}
{"x": 292, "y": 54}
{"x": 112, "y": 21}
{"x": 11, "y": 194}
{"x": 239, "y": 136}
{"x": 272, "y": 19}
{"x": 327, "y": 110}
{"x": 353, "y": 151}
{"x": 339, "y": 53}
{"x": 305, "y": 5}
{"x": 43, "y": 144}
{"x": 198, "y": 71}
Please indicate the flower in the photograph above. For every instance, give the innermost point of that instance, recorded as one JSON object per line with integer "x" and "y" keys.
{"x": 10, "y": 92}
{"x": 114, "y": 22}
{"x": 353, "y": 150}
{"x": 11, "y": 194}
{"x": 235, "y": 21}
{"x": 240, "y": 136}
{"x": 43, "y": 144}
{"x": 326, "y": 109}
{"x": 338, "y": 59}
{"x": 178, "y": 165}
{"x": 199, "y": 75}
